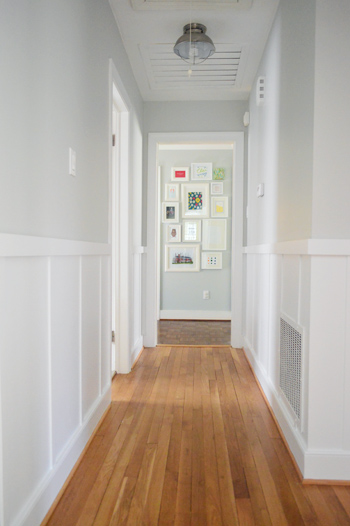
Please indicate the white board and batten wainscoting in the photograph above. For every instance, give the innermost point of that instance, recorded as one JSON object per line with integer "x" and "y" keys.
{"x": 304, "y": 285}
{"x": 55, "y": 368}
{"x": 55, "y": 363}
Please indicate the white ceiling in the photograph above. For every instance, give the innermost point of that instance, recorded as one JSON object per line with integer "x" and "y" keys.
{"x": 238, "y": 28}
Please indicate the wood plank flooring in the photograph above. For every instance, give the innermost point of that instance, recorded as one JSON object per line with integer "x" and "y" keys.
{"x": 189, "y": 441}
{"x": 194, "y": 332}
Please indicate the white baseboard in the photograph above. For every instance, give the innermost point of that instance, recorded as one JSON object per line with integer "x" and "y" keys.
{"x": 195, "y": 315}
{"x": 327, "y": 465}
{"x": 40, "y": 502}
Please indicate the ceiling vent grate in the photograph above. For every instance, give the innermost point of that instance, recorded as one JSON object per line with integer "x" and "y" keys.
{"x": 290, "y": 365}
{"x": 184, "y": 4}
{"x": 165, "y": 70}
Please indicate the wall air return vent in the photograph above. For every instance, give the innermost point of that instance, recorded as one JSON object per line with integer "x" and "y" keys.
{"x": 290, "y": 365}
{"x": 260, "y": 91}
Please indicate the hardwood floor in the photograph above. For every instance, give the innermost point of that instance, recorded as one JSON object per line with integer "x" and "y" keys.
{"x": 189, "y": 441}
{"x": 194, "y": 332}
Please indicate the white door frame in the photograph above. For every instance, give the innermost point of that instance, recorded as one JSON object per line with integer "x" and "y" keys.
{"x": 154, "y": 139}
{"x": 119, "y": 221}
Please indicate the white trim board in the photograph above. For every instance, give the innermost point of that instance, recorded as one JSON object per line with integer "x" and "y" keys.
{"x": 15, "y": 245}
{"x": 307, "y": 247}
{"x": 196, "y": 146}
{"x": 195, "y": 315}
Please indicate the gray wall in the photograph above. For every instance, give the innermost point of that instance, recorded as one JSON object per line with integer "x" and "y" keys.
{"x": 281, "y": 130}
{"x": 54, "y": 95}
{"x": 184, "y": 290}
{"x": 331, "y": 184}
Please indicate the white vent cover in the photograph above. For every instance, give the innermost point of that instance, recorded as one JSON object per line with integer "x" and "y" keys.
{"x": 260, "y": 91}
{"x": 165, "y": 70}
{"x": 290, "y": 365}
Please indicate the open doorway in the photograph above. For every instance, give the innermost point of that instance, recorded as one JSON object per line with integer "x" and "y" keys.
{"x": 160, "y": 254}
{"x": 119, "y": 236}
{"x": 195, "y": 242}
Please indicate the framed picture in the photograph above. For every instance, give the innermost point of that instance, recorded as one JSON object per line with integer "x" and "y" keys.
{"x": 219, "y": 206}
{"x": 217, "y": 188}
{"x": 214, "y": 234}
{"x": 219, "y": 174}
{"x": 211, "y": 260}
{"x": 179, "y": 173}
{"x": 170, "y": 212}
{"x": 201, "y": 171}
{"x": 173, "y": 233}
{"x": 192, "y": 232}
{"x": 172, "y": 192}
{"x": 181, "y": 258}
{"x": 195, "y": 200}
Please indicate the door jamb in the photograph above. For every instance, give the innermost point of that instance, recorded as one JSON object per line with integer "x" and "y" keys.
{"x": 119, "y": 200}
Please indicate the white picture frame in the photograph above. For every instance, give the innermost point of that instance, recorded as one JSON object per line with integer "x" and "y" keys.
{"x": 195, "y": 200}
{"x": 173, "y": 233}
{"x": 170, "y": 212}
{"x": 214, "y": 234}
{"x": 201, "y": 171}
{"x": 172, "y": 192}
{"x": 180, "y": 173}
{"x": 219, "y": 206}
{"x": 182, "y": 258}
{"x": 217, "y": 188}
{"x": 211, "y": 260}
{"x": 192, "y": 231}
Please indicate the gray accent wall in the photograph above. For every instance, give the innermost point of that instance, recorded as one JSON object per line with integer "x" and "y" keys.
{"x": 184, "y": 290}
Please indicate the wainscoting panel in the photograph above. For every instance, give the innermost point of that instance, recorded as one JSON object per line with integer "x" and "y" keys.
{"x": 25, "y": 379}
{"x": 106, "y": 323}
{"x": 327, "y": 352}
{"x": 90, "y": 332}
{"x": 290, "y": 286}
{"x": 261, "y": 308}
{"x": 275, "y": 281}
{"x": 65, "y": 346}
{"x": 55, "y": 346}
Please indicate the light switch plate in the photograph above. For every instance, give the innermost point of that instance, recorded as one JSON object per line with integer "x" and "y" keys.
{"x": 260, "y": 190}
{"x": 212, "y": 260}
{"x": 72, "y": 162}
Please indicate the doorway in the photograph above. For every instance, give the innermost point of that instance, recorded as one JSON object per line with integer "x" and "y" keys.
{"x": 119, "y": 237}
{"x": 233, "y": 141}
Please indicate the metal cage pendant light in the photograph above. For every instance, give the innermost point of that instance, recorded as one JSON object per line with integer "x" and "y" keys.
{"x": 194, "y": 46}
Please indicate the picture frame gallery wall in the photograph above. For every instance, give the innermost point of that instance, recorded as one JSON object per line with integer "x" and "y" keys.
{"x": 195, "y": 191}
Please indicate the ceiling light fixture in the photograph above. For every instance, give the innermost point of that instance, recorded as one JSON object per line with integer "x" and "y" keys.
{"x": 194, "y": 46}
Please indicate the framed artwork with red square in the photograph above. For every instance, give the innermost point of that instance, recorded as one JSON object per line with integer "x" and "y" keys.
{"x": 180, "y": 173}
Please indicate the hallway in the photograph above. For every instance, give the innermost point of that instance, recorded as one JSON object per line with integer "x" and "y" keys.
{"x": 189, "y": 440}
